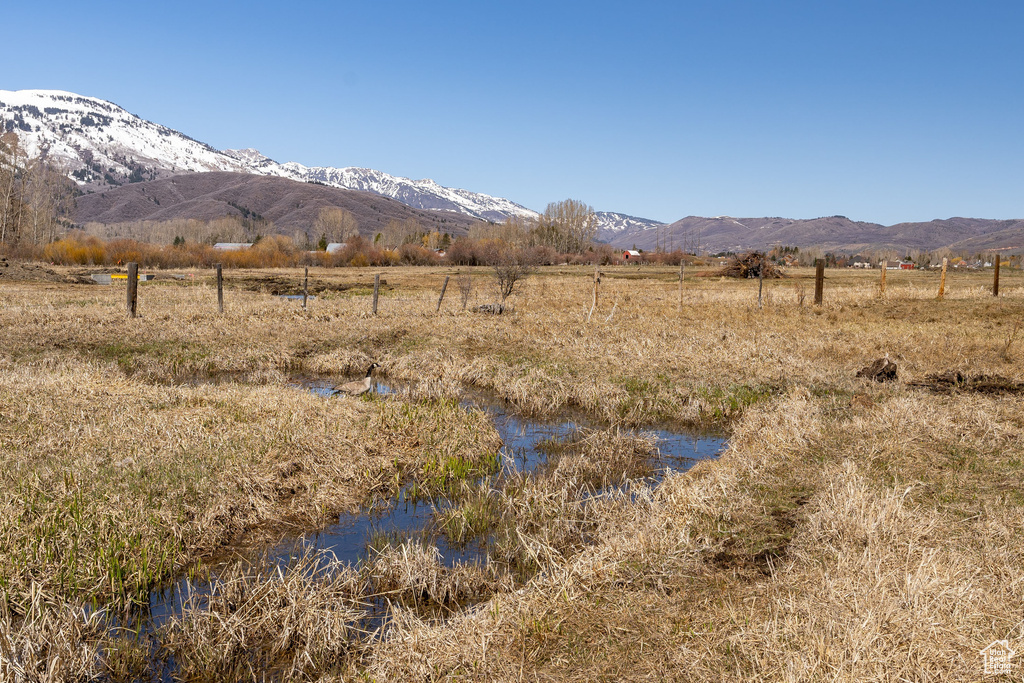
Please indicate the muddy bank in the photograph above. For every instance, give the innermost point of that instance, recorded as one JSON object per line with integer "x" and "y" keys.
{"x": 19, "y": 271}
{"x": 281, "y": 286}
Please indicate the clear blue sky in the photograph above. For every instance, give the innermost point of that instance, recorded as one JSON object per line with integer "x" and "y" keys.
{"x": 881, "y": 111}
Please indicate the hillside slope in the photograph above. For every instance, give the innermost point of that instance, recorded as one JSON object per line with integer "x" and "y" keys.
{"x": 289, "y": 204}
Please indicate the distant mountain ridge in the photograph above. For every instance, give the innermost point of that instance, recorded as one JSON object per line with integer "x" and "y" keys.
{"x": 830, "y": 233}
{"x": 104, "y": 146}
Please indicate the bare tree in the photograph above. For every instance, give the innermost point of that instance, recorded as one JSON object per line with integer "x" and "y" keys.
{"x": 515, "y": 231}
{"x": 336, "y": 224}
{"x": 11, "y": 173}
{"x": 48, "y": 198}
{"x": 510, "y": 270}
{"x": 396, "y": 233}
{"x": 568, "y": 226}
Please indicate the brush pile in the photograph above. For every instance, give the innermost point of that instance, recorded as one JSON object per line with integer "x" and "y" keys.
{"x": 751, "y": 264}
{"x": 954, "y": 380}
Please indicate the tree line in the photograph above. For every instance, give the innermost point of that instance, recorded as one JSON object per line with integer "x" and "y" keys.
{"x": 37, "y": 202}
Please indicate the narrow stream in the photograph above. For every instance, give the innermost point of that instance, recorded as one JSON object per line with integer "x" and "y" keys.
{"x": 349, "y": 537}
{"x": 522, "y": 451}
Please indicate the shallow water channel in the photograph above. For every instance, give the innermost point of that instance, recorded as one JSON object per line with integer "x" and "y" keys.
{"x": 406, "y": 517}
{"x": 521, "y": 438}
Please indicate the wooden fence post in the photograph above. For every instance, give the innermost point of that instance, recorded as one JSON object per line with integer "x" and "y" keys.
{"x": 443, "y": 288}
{"x": 680, "y": 285}
{"x": 597, "y": 280}
{"x": 376, "y": 291}
{"x": 305, "y": 287}
{"x": 881, "y": 285}
{"x": 133, "y": 289}
{"x": 760, "y": 282}
{"x": 942, "y": 280}
{"x": 995, "y": 279}
{"x": 819, "y": 281}
{"x": 220, "y": 287}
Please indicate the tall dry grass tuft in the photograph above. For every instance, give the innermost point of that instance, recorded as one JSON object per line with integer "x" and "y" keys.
{"x": 601, "y": 458}
{"x": 262, "y": 620}
{"x": 50, "y": 641}
{"x": 412, "y": 574}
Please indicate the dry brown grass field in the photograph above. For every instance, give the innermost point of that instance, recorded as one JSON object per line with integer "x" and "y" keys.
{"x": 851, "y": 530}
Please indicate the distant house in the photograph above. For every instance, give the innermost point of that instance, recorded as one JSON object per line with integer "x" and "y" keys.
{"x": 631, "y": 255}
{"x": 232, "y": 246}
{"x": 891, "y": 265}
{"x": 336, "y": 246}
{"x": 859, "y": 261}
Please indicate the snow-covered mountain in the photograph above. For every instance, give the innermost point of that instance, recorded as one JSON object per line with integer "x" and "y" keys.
{"x": 102, "y": 145}
{"x": 419, "y": 194}
{"x": 99, "y": 142}
{"x": 613, "y": 226}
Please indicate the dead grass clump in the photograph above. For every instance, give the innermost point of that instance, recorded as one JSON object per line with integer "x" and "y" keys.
{"x": 870, "y": 594}
{"x": 601, "y": 458}
{"x": 529, "y": 524}
{"x": 51, "y": 641}
{"x": 411, "y": 573}
{"x": 263, "y": 619}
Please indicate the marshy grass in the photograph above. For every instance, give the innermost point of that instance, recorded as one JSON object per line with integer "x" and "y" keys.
{"x": 411, "y": 574}
{"x": 264, "y": 620}
{"x": 851, "y": 531}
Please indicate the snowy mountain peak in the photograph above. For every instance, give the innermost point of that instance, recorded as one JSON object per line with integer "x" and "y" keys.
{"x": 613, "y": 226}
{"x": 102, "y": 145}
{"x": 249, "y": 156}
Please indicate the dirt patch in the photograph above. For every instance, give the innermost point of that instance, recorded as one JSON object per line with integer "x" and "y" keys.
{"x": 954, "y": 380}
{"x": 16, "y": 271}
{"x": 277, "y": 286}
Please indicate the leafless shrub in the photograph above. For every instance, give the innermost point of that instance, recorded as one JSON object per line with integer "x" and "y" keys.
{"x": 510, "y": 270}
{"x": 1011, "y": 337}
{"x": 465, "y": 281}
{"x": 800, "y": 292}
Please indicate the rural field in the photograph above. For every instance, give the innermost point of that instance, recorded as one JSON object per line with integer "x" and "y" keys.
{"x": 850, "y": 529}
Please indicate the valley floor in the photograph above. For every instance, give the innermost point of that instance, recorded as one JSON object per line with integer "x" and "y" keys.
{"x": 852, "y": 530}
